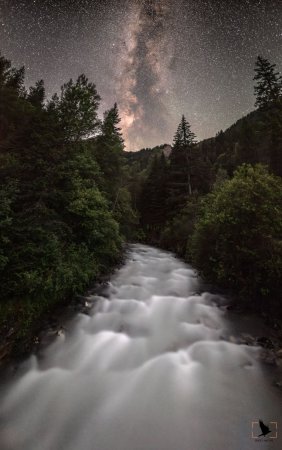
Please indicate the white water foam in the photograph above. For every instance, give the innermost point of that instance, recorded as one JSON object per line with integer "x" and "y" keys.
{"x": 148, "y": 370}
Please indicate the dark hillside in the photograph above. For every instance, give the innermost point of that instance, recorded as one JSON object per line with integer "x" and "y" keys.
{"x": 255, "y": 138}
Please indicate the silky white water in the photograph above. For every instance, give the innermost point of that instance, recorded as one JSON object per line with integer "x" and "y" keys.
{"x": 147, "y": 370}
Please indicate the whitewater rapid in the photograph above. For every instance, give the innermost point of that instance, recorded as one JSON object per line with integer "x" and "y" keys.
{"x": 148, "y": 369}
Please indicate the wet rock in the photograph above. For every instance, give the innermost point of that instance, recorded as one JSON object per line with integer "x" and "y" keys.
{"x": 247, "y": 339}
{"x": 85, "y": 307}
{"x": 61, "y": 331}
{"x": 278, "y": 355}
{"x": 36, "y": 340}
{"x": 234, "y": 340}
{"x": 230, "y": 308}
{"x": 278, "y": 384}
{"x": 265, "y": 342}
{"x": 268, "y": 357}
{"x": 218, "y": 300}
{"x": 81, "y": 299}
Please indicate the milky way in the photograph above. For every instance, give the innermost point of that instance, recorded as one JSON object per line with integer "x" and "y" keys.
{"x": 157, "y": 59}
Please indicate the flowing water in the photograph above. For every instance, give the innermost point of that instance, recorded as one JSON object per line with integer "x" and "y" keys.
{"x": 147, "y": 370}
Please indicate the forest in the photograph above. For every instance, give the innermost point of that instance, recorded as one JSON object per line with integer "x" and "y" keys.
{"x": 71, "y": 197}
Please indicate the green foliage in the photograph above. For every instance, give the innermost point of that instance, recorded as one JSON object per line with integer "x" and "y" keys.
{"x": 125, "y": 214}
{"x": 76, "y": 108}
{"x": 256, "y": 138}
{"x": 189, "y": 171}
{"x": 11, "y": 78}
{"x": 176, "y": 231}
{"x": 108, "y": 151}
{"x": 110, "y": 129}
{"x": 142, "y": 159}
{"x": 138, "y": 168}
{"x": 152, "y": 198}
{"x": 60, "y": 216}
{"x": 7, "y": 195}
{"x": 272, "y": 128}
{"x": 169, "y": 184}
{"x": 69, "y": 195}
{"x": 237, "y": 238}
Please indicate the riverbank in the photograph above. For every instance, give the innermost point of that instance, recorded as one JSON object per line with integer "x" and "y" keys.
{"x": 248, "y": 327}
{"x": 155, "y": 354}
{"x": 15, "y": 348}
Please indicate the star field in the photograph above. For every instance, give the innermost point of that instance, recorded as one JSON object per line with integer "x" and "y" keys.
{"x": 157, "y": 59}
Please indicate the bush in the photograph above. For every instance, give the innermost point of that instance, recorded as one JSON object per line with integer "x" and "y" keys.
{"x": 237, "y": 238}
{"x": 174, "y": 235}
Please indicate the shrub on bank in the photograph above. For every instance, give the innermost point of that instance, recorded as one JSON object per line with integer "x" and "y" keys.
{"x": 237, "y": 241}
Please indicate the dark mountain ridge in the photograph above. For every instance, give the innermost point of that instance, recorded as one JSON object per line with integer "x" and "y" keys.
{"x": 254, "y": 138}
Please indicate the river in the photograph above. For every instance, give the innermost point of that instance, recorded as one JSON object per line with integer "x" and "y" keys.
{"x": 146, "y": 370}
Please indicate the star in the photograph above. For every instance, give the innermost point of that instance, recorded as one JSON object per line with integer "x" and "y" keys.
{"x": 158, "y": 59}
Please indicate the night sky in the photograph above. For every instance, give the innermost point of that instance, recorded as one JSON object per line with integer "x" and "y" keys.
{"x": 157, "y": 59}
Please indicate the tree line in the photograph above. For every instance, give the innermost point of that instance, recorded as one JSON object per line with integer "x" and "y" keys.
{"x": 218, "y": 203}
{"x": 65, "y": 210}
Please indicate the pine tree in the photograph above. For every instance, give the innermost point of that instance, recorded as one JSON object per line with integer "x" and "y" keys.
{"x": 179, "y": 184}
{"x": 5, "y": 66}
{"x": 36, "y": 94}
{"x": 110, "y": 128}
{"x": 268, "y": 86}
{"x": 183, "y": 135}
{"x": 14, "y": 113}
{"x": 112, "y": 143}
{"x": 108, "y": 151}
{"x": 15, "y": 80}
